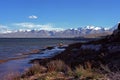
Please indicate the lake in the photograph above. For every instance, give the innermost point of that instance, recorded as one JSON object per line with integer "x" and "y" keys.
{"x": 13, "y": 47}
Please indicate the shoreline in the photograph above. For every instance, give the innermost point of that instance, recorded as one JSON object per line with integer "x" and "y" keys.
{"x": 9, "y": 59}
{"x": 92, "y": 60}
{"x": 26, "y": 57}
{"x": 21, "y": 55}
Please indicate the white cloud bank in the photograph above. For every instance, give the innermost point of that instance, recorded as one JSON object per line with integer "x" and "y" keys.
{"x": 32, "y": 17}
{"x": 27, "y": 26}
{"x": 31, "y": 26}
{"x": 4, "y": 29}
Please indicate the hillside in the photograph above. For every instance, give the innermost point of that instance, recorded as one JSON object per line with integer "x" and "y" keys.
{"x": 93, "y": 60}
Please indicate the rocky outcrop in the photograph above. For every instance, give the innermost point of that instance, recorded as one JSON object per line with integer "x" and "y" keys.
{"x": 92, "y": 54}
{"x": 115, "y": 37}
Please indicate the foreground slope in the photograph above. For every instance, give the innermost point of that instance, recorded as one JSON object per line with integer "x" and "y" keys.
{"x": 94, "y": 60}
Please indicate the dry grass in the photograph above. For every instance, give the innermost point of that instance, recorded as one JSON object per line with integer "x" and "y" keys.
{"x": 35, "y": 69}
{"x": 105, "y": 68}
{"x": 114, "y": 76}
{"x": 57, "y": 70}
{"x": 57, "y": 65}
{"x": 81, "y": 73}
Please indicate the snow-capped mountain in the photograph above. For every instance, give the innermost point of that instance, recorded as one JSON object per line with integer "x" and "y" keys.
{"x": 79, "y": 32}
{"x": 92, "y": 28}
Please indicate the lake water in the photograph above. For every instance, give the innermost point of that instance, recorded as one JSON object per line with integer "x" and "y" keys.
{"x": 12, "y": 48}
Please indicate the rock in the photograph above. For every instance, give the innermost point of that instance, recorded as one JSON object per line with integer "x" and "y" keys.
{"x": 119, "y": 26}
{"x": 49, "y": 48}
{"x": 60, "y": 44}
{"x": 115, "y": 37}
{"x": 113, "y": 48}
{"x": 91, "y": 46}
{"x": 34, "y": 51}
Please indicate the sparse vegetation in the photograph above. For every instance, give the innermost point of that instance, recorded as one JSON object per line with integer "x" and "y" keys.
{"x": 34, "y": 69}
{"x": 57, "y": 70}
{"x": 79, "y": 64}
{"x": 88, "y": 73}
{"x": 114, "y": 75}
{"x": 57, "y": 65}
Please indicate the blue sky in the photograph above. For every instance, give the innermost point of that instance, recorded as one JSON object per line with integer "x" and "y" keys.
{"x": 58, "y": 14}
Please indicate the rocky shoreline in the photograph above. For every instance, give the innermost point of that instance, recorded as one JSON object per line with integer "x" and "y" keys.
{"x": 104, "y": 51}
{"x": 93, "y": 60}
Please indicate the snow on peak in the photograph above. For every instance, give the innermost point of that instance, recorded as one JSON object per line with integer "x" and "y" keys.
{"x": 93, "y": 27}
{"x": 106, "y": 28}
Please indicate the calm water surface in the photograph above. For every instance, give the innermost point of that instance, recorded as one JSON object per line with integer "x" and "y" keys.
{"x": 10, "y": 48}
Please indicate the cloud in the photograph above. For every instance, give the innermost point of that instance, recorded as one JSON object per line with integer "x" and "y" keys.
{"x": 4, "y": 29}
{"x": 30, "y": 26}
{"x": 32, "y": 17}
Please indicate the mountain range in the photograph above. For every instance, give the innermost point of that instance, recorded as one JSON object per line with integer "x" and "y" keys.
{"x": 87, "y": 31}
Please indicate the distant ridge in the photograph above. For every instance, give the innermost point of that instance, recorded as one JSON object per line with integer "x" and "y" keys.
{"x": 88, "y": 31}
